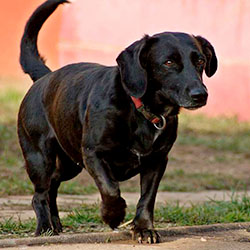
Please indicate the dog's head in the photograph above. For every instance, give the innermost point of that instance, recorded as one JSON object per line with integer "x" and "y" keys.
{"x": 165, "y": 70}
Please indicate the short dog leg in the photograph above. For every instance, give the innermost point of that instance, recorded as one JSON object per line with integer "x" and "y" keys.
{"x": 40, "y": 164}
{"x": 113, "y": 205}
{"x": 57, "y": 226}
{"x": 41, "y": 207}
{"x": 66, "y": 169}
{"x": 40, "y": 175}
{"x": 40, "y": 171}
{"x": 151, "y": 174}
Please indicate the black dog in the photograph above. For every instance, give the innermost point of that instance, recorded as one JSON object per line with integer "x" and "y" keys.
{"x": 116, "y": 122}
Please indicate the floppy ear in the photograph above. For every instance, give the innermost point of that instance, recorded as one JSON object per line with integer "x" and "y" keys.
{"x": 133, "y": 74}
{"x": 209, "y": 52}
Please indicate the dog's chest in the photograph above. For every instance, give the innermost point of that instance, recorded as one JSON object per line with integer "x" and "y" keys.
{"x": 148, "y": 140}
{"x": 127, "y": 162}
{"x": 143, "y": 138}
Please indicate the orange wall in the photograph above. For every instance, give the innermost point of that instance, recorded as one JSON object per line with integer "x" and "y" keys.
{"x": 13, "y": 16}
{"x": 94, "y": 30}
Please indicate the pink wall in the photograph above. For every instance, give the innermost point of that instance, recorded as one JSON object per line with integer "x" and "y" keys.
{"x": 13, "y": 17}
{"x": 94, "y": 30}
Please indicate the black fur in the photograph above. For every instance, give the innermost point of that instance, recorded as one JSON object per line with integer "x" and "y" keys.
{"x": 82, "y": 116}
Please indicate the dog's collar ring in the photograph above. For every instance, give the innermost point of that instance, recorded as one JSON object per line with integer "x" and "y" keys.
{"x": 164, "y": 123}
{"x": 156, "y": 120}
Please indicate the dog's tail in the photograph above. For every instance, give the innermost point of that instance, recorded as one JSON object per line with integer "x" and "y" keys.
{"x": 31, "y": 61}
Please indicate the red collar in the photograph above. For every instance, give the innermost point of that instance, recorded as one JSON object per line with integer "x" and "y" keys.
{"x": 137, "y": 102}
{"x": 140, "y": 107}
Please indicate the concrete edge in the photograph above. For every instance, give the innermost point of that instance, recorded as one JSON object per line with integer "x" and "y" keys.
{"x": 119, "y": 235}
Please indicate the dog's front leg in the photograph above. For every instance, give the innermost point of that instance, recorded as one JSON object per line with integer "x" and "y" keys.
{"x": 113, "y": 205}
{"x": 153, "y": 169}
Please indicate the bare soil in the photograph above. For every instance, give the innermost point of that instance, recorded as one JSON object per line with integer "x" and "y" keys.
{"x": 220, "y": 237}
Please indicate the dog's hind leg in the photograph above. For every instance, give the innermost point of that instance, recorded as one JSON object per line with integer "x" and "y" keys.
{"x": 55, "y": 220}
{"x": 66, "y": 169}
{"x": 40, "y": 165}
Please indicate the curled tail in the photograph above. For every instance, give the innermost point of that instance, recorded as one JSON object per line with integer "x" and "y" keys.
{"x": 31, "y": 61}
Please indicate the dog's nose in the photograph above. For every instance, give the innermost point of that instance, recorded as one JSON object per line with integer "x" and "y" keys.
{"x": 198, "y": 95}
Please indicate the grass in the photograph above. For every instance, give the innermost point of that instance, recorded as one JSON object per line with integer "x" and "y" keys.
{"x": 11, "y": 163}
{"x": 189, "y": 182}
{"x": 215, "y": 144}
{"x": 74, "y": 187}
{"x": 211, "y": 212}
{"x": 87, "y": 219}
{"x": 226, "y": 134}
{"x": 11, "y": 228}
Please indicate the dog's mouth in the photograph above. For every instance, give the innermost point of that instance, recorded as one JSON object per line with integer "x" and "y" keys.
{"x": 188, "y": 105}
{"x": 194, "y": 106}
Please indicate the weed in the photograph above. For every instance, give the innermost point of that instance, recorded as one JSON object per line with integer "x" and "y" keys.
{"x": 182, "y": 181}
{"x": 12, "y": 228}
{"x": 211, "y": 212}
{"x": 225, "y": 134}
{"x": 74, "y": 187}
{"x": 87, "y": 218}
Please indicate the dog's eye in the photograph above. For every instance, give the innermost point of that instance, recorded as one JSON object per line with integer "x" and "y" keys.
{"x": 169, "y": 63}
{"x": 200, "y": 62}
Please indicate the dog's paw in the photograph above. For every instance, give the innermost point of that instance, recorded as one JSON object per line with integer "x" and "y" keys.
{"x": 113, "y": 212}
{"x": 149, "y": 236}
{"x": 57, "y": 225}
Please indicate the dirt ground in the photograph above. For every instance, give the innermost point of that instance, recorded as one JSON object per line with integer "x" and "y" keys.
{"x": 219, "y": 237}
{"x": 181, "y": 244}
{"x": 202, "y": 159}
